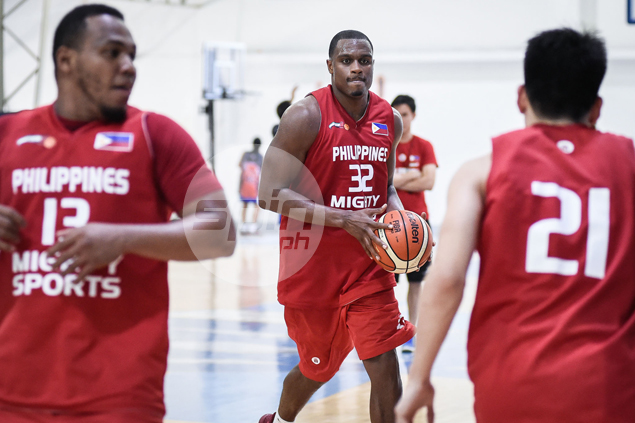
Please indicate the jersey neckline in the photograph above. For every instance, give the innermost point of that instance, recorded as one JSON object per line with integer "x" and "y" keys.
{"x": 352, "y": 122}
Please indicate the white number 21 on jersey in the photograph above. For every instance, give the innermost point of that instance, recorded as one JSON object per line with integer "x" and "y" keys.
{"x": 538, "y": 261}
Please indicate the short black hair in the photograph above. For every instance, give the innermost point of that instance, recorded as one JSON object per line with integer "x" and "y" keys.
{"x": 564, "y": 69}
{"x": 404, "y": 99}
{"x": 257, "y": 141}
{"x": 282, "y": 107}
{"x": 348, "y": 34}
{"x": 70, "y": 31}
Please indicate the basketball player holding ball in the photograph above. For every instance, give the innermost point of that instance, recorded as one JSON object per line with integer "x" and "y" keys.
{"x": 345, "y": 136}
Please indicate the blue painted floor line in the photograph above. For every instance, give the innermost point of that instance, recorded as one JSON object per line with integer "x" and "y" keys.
{"x": 222, "y": 368}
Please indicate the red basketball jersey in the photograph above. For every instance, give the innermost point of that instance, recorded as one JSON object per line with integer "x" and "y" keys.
{"x": 414, "y": 154}
{"x": 552, "y": 336}
{"x": 348, "y": 160}
{"x": 98, "y": 345}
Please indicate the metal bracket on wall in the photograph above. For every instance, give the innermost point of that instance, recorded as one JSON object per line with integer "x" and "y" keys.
{"x": 36, "y": 56}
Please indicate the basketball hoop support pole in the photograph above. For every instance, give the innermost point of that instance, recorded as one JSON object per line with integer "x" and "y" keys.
{"x": 223, "y": 78}
{"x": 210, "y": 117}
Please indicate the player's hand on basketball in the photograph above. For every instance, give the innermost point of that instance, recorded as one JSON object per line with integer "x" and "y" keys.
{"x": 10, "y": 224}
{"x": 418, "y": 394}
{"x": 82, "y": 250}
{"x": 361, "y": 224}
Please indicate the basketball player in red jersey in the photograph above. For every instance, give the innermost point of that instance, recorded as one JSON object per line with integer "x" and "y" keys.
{"x": 551, "y": 212}
{"x": 345, "y": 137}
{"x": 87, "y": 186}
{"x": 415, "y": 171}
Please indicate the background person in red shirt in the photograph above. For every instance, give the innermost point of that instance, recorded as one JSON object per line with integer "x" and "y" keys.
{"x": 415, "y": 170}
{"x": 551, "y": 212}
{"x": 87, "y": 187}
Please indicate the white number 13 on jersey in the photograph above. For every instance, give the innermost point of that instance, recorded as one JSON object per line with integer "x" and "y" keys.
{"x": 538, "y": 261}
{"x": 82, "y": 214}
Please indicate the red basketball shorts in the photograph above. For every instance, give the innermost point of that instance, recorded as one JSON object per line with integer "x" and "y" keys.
{"x": 371, "y": 324}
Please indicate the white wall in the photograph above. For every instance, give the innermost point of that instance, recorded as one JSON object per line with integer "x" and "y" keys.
{"x": 460, "y": 59}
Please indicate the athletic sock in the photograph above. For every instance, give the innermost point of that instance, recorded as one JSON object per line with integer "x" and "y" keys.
{"x": 279, "y": 419}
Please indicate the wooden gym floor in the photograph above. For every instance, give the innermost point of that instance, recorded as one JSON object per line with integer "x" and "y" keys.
{"x": 229, "y": 351}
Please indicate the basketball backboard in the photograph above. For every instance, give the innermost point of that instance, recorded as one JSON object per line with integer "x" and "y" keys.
{"x": 223, "y": 70}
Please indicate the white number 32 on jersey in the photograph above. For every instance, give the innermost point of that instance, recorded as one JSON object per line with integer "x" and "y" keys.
{"x": 597, "y": 245}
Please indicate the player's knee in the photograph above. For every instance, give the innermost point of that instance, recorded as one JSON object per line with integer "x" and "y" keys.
{"x": 383, "y": 371}
{"x": 385, "y": 365}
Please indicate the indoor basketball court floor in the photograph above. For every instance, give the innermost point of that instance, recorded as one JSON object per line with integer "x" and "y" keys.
{"x": 229, "y": 349}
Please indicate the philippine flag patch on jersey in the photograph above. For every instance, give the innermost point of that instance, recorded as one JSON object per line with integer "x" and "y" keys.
{"x": 114, "y": 141}
{"x": 379, "y": 128}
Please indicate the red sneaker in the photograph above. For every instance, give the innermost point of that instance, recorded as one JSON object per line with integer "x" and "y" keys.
{"x": 267, "y": 418}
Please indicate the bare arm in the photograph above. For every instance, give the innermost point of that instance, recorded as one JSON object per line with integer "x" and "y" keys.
{"x": 206, "y": 231}
{"x": 284, "y": 162}
{"x": 10, "y": 224}
{"x": 295, "y": 88}
{"x": 419, "y": 181}
{"x": 401, "y": 179}
{"x": 443, "y": 290}
{"x": 394, "y": 203}
{"x": 97, "y": 244}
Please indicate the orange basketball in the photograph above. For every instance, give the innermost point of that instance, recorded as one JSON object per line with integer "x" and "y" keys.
{"x": 409, "y": 242}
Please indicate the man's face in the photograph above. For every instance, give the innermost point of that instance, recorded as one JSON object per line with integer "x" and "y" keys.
{"x": 104, "y": 70}
{"x": 351, "y": 67}
{"x": 406, "y": 116}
